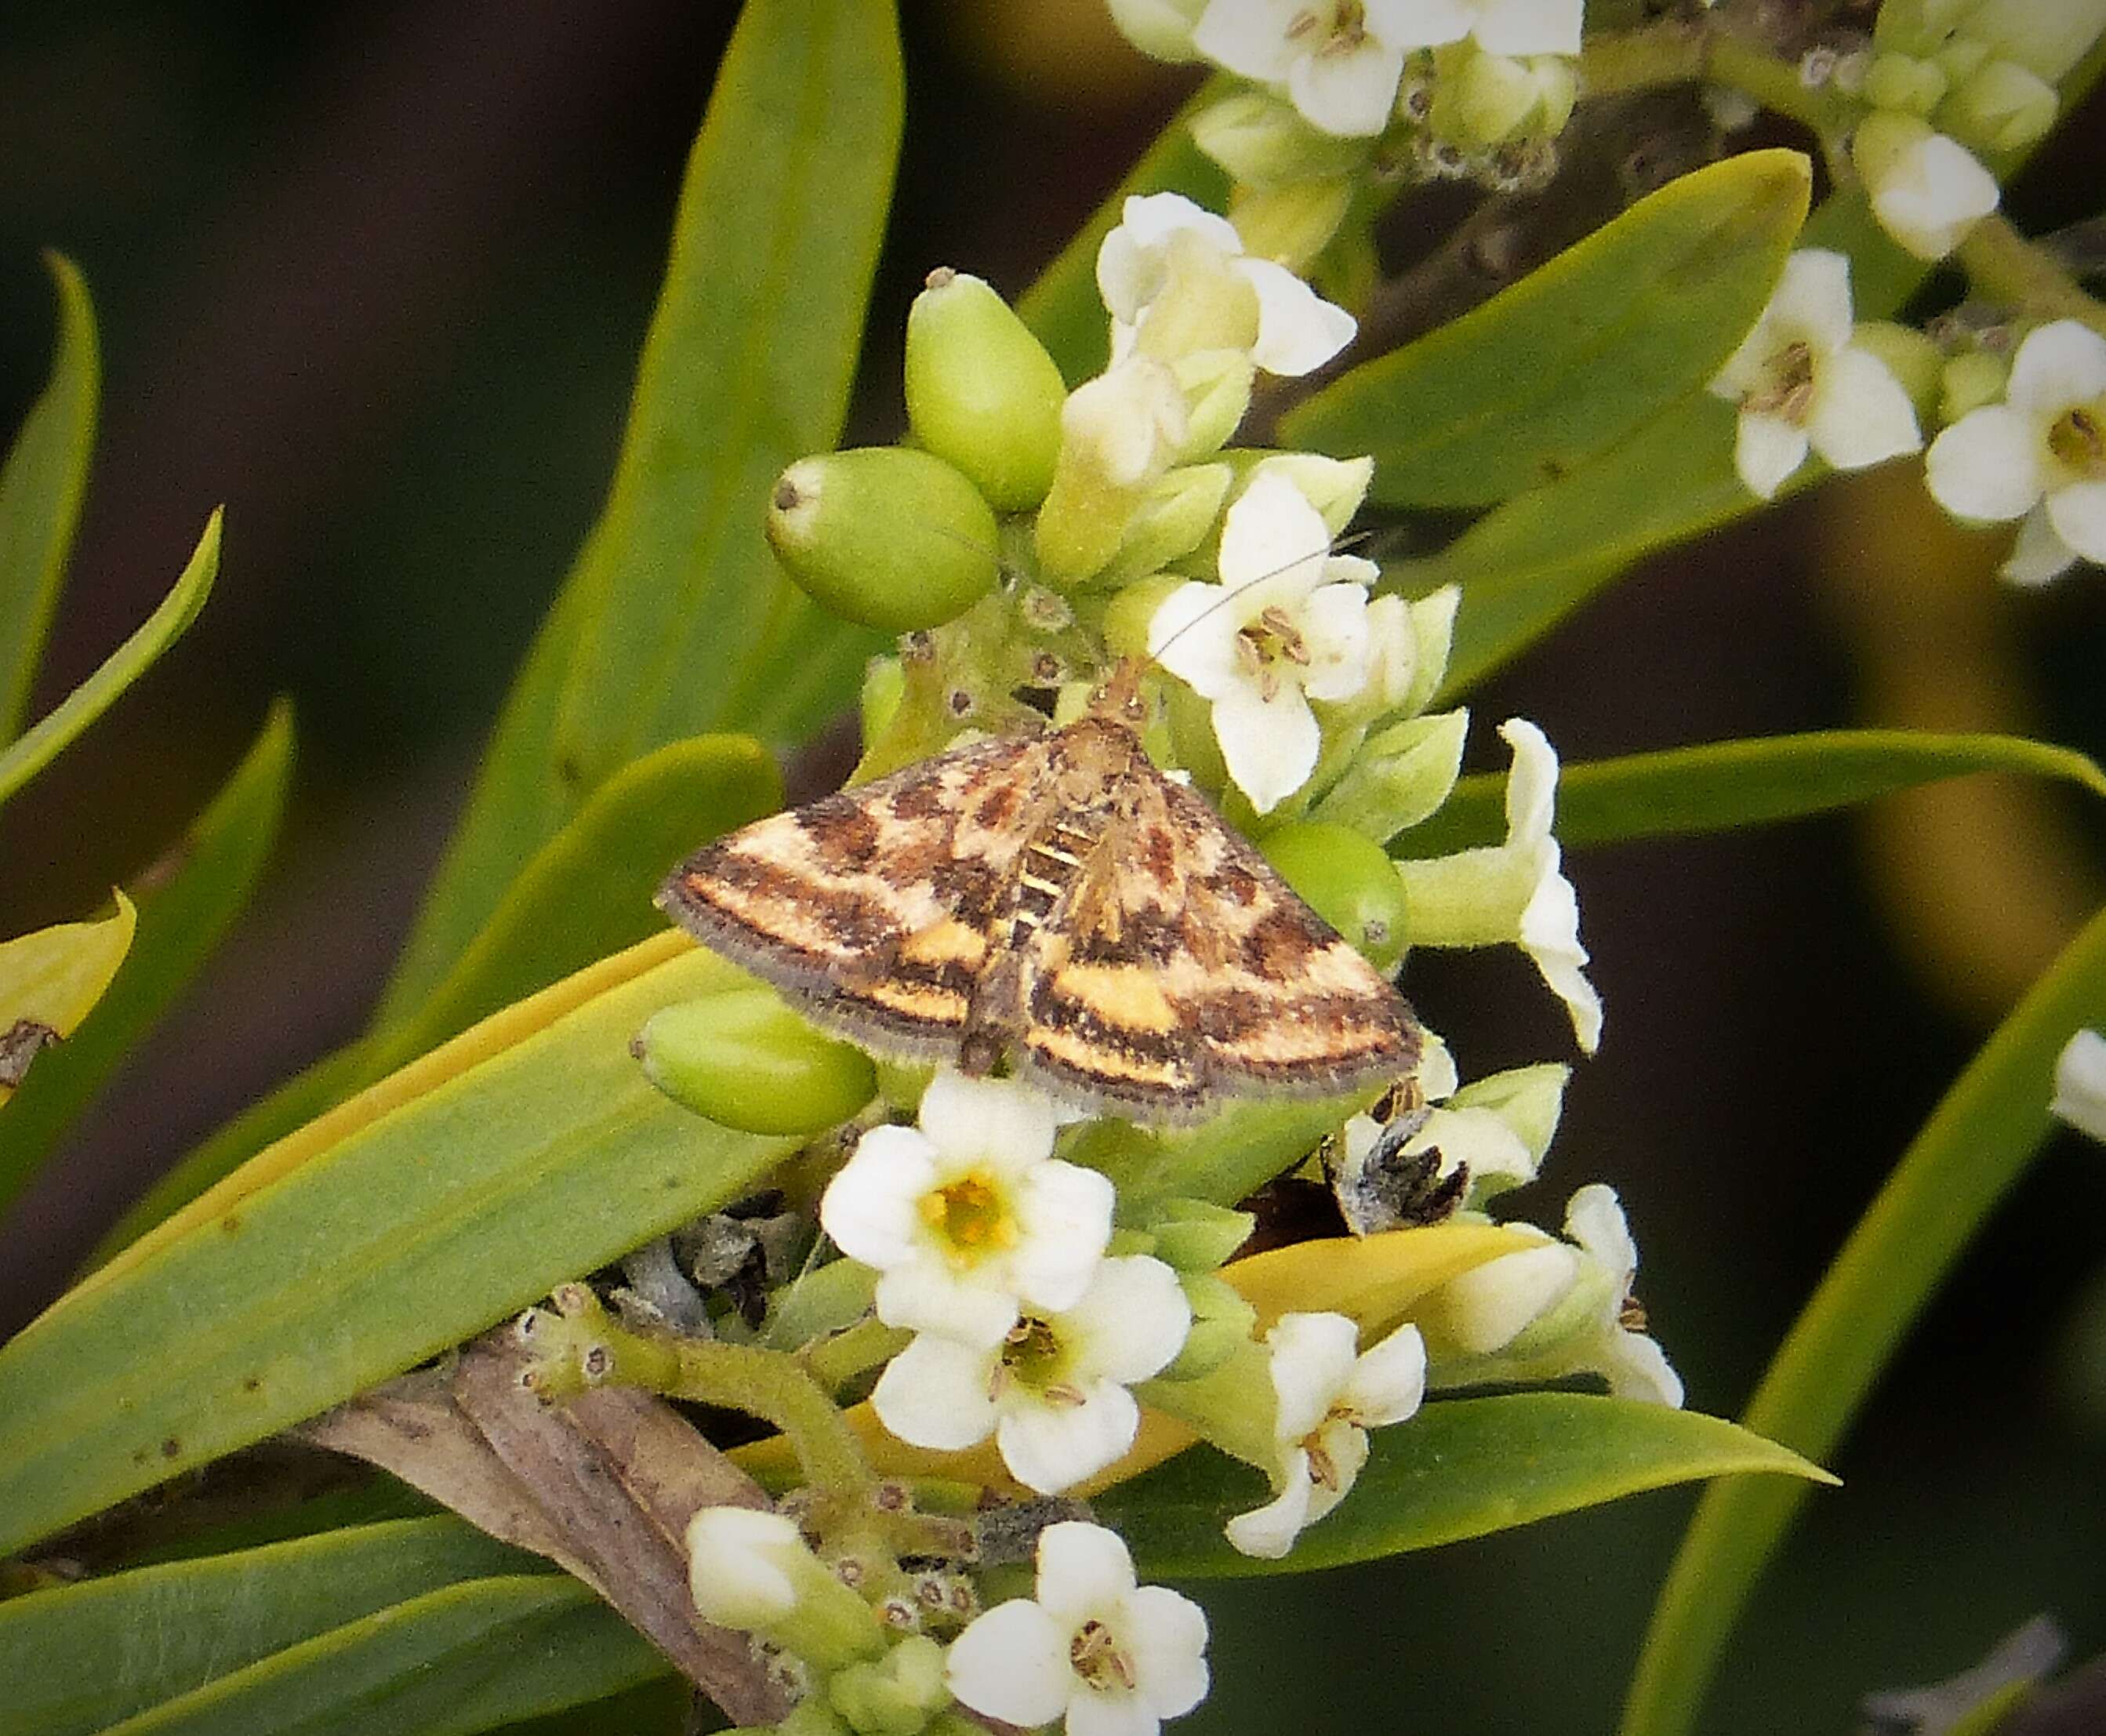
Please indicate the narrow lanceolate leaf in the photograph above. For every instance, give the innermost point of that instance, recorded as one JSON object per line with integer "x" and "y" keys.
{"x": 528, "y": 1149}
{"x": 1752, "y": 782}
{"x": 187, "y": 904}
{"x": 586, "y": 893}
{"x": 1975, "y": 1146}
{"x": 1576, "y": 356}
{"x": 109, "y": 1648}
{"x": 468, "y": 1658}
{"x": 1460, "y": 1469}
{"x": 49, "y": 982}
{"x": 41, "y": 488}
{"x": 1063, "y": 308}
{"x": 675, "y": 620}
{"x": 29, "y": 754}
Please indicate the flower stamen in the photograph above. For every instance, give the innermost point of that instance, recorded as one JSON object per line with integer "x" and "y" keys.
{"x": 1094, "y": 1656}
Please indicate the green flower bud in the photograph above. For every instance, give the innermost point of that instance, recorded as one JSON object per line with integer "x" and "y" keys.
{"x": 745, "y": 1061}
{"x": 1263, "y": 142}
{"x": 1196, "y": 1236}
{"x": 981, "y": 391}
{"x": 1216, "y": 384}
{"x": 1530, "y": 1100}
{"x": 1128, "y": 614}
{"x": 1119, "y": 433}
{"x": 1222, "y": 1323}
{"x": 1292, "y": 224}
{"x": 1961, "y": 58}
{"x": 1905, "y": 85}
{"x": 1173, "y": 519}
{"x": 1401, "y": 776}
{"x": 1969, "y": 381}
{"x": 750, "y": 1570}
{"x": 884, "y": 536}
{"x": 2046, "y": 37}
{"x": 1433, "y": 626}
{"x": 1345, "y": 877}
{"x": 1909, "y": 355}
{"x": 1919, "y": 27}
{"x": 1481, "y": 100}
{"x": 2002, "y": 108}
{"x": 897, "y": 1695}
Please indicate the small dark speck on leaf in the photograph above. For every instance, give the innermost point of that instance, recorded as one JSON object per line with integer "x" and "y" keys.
{"x": 172, "y": 1448}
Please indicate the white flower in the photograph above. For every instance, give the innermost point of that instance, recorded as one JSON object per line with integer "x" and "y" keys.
{"x": 1340, "y": 60}
{"x": 1111, "y": 1657}
{"x": 742, "y": 1565}
{"x": 1328, "y": 1398}
{"x": 1801, "y": 383}
{"x": 1634, "y": 1365}
{"x": 1167, "y": 250}
{"x": 2080, "y": 1083}
{"x": 2040, "y": 455}
{"x": 1287, "y": 623}
{"x": 968, "y": 1215}
{"x": 1053, "y": 1393}
{"x": 1927, "y": 190}
{"x": 1550, "y": 921}
{"x": 1130, "y": 424}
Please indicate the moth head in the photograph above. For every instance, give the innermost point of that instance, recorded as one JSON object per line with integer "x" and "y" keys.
{"x": 1118, "y": 696}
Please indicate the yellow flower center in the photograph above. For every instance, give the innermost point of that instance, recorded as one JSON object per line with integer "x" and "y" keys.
{"x": 971, "y": 1215}
{"x": 1033, "y": 1356}
{"x": 2077, "y": 441}
{"x": 1264, "y": 643}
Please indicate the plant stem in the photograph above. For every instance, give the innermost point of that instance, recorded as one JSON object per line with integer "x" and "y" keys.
{"x": 2002, "y": 266}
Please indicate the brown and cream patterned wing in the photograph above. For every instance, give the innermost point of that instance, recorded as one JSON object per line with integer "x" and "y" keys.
{"x": 873, "y": 908}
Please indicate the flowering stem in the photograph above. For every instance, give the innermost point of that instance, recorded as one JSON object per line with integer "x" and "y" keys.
{"x": 835, "y": 1360}
{"x": 2002, "y": 266}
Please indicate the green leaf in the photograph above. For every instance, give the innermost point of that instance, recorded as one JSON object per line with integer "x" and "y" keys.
{"x": 185, "y": 908}
{"x": 111, "y": 1646}
{"x": 50, "y": 981}
{"x": 675, "y": 620}
{"x": 1064, "y": 308}
{"x": 661, "y": 1708}
{"x": 1755, "y": 781}
{"x": 1976, "y": 1145}
{"x": 41, "y": 489}
{"x": 586, "y": 893}
{"x": 29, "y": 754}
{"x": 1526, "y": 565}
{"x": 1578, "y": 355}
{"x": 527, "y": 1150}
{"x": 1460, "y": 1469}
{"x": 468, "y": 1658}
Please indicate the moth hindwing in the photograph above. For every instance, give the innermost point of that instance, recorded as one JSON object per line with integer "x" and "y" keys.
{"x": 1058, "y": 902}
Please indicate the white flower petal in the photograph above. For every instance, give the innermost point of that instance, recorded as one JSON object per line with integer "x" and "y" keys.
{"x": 1250, "y": 37}
{"x": 1436, "y": 1073}
{"x": 1270, "y": 532}
{"x": 1270, "y": 746}
{"x": 934, "y": 1393}
{"x": 1860, "y": 415}
{"x": 1987, "y": 466}
{"x": 1334, "y": 623}
{"x": 1932, "y": 193}
{"x": 1392, "y": 649}
{"x": 1064, "y": 1213}
{"x": 1388, "y": 1382}
{"x": 1531, "y": 783}
{"x": 1297, "y": 331}
{"x": 2060, "y": 364}
{"x": 1131, "y": 1322}
{"x": 1594, "y": 1218}
{"x": 1810, "y": 303}
{"x": 1484, "y": 1309}
{"x": 735, "y": 1569}
{"x": 2038, "y": 554}
{"x": 2080, "y": 1083}
{"x": 1767, "y": 449}
{"x": 1637, "y": 1368}
{"x": 926, "y": 1296}
{"x": 1049, "y": 1447}
{"x": 870, "y": 1208}
{"x": 1192, "y": 635}
{"x": 1084, "y": 1571}
{"x": 1312, "y": 1358}
{"x": 1479, "y": 1138}
{"x": 1122, "y": 281}
{"x": 1161, "y": 29}
{"x": 1110, "y": 1713}
{"x": 1347, "y": 93}
{"x": 1550, "y": 936}
{"x": 1153, "y": 218}
{"x": 1268, "y": 1533}
{"x": 1165, "y": 1634}
{"x": 2078, "y": 514}
{"x": 1526, "y": 27}
{"x": 1421, "y": 24}
{"x": 1012, "y": 1664}
{"x": 986, "y": 1117}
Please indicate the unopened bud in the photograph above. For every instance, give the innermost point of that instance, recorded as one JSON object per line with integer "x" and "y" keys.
{"x": 1971, "y": 380}
{"x": 981, "y": 391}
{"x": 750, "y": 1569}
{"x": 1926, "y": 190}
{"x": 1222, "y": 1324}
{"x": 1119, "y": 432}
{"x": 897, "y": 1694}
{"x": 1335, "y": 487}
{"x": 1171, "y": 519}
{"x": 1909, "y": 355}
{"x": 1293, "y": 223}
{"x": 1263, "y": 142}
{"x": 1481, "y": 100}
{"x": 885, "y": 536}
{"x": 1216, "y": 385}
{"x": 1345, "y": 877}
{"x": 2002, "y": 107}
{"x": 1905, "y": 85}
{"x": 1401, "y": 776}
{"x": 744, "y": 1059}
{"x": 1196, "y": 1236}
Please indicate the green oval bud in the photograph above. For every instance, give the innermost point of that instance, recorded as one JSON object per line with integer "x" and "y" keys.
{"x": 1216, "y": 384}
{"x": 745, "y": 1061}
{"x": 1969, "y": 381}
{"x": 884, "y": 536}
{"x": 1346, "y": 880}
{"x": 1172, "y": 519}
{"x": 981, "y": 391}
{"x": 1292, "y": 224}
{"x": 1902, "y": 82}
{"x": 1222, "y": 1323}
{"x": 2002, "y": 107}
{"x": 1196, "y": 1236}
{"x": 895, "y": 1696}
{"x": 1263, "y": 141}
{"x": 1909, "y": 356}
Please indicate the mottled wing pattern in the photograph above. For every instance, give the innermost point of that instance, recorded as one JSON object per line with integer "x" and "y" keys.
{"x": 1183, "y": 969}
{"x": 873, "y": 908}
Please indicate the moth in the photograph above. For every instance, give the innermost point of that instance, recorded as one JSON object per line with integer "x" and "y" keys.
{"x": 1057, "y": 903}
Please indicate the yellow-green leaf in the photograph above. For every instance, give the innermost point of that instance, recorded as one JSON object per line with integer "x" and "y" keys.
{"x": 185, "y": 907}
{"x": 528, "y": 1149}
{"x": 1460, "y": 1469}
{"x": 22, "y": 759}
{"x": 1579, "y": 354}
{"x": 49, "y": 979}
{"x": 40, "y": 492}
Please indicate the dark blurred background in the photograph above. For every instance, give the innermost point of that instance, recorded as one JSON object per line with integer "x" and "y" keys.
{"x": 375, "y": 276}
